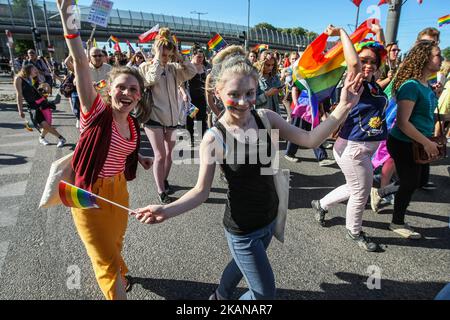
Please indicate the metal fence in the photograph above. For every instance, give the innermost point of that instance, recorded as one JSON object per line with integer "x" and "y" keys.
{"x": 139, "y": 22}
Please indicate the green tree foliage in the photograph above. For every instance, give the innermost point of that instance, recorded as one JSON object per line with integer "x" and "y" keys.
{"x": 265, "y": 25}
{"x": 21, "y": 9}
{"x": 21, "y": 46}
{"x": 446, "y": 53}
{"x": 299, "y": 31}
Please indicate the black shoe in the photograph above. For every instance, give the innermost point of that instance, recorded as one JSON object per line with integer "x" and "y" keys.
{"x": 363, "y": 241}
{"x": 129, "y": 283}
{"x": 320, "y": 213}
{"x": 164, "y": 198}
{"x": 167, "y": 187}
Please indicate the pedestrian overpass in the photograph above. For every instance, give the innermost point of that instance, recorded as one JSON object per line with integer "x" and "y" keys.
{"x": 127, "y": 25}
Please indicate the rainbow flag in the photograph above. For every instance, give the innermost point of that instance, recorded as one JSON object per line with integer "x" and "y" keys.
{"x": 192, "y": 111}
{"x": 259, "y": 47}
{"x": 444, "y": 20}
{"x": 130, "y": 47}
{"x": 216, "y": 43}
{"x": 186, "y": 52}
{"x": 75, "y": 197}
{"x": 114, "y": 39}
{"x": 320, "y": 72}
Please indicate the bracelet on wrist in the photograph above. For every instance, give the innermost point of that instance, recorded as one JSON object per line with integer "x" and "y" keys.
{"x": 72, "y": 35}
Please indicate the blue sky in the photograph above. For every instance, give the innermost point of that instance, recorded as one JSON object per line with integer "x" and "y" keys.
{"x": 314, "y": 15}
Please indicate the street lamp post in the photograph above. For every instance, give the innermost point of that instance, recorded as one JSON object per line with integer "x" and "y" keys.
{"x": 247, "y": 41}
{"x": 199, "y": 14}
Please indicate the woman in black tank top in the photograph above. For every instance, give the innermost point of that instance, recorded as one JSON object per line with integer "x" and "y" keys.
{"x": 39, "y": 107}
{"x": 242, "y": 150}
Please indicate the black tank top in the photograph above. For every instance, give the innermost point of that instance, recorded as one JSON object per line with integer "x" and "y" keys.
{"x": 252, "y": 198}
{"x": 32, "y": 96}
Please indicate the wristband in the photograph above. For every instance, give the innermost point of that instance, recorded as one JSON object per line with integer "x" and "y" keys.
{"x": 72, "y": 35}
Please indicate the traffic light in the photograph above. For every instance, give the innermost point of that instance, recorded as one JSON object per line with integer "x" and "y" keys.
{"x": 36, "y": 35}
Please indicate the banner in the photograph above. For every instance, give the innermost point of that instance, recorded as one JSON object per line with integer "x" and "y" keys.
{"x": 100, "y": 11}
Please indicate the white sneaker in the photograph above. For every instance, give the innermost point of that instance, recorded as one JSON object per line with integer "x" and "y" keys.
{"x": 77, "y": 124}
{"x": 61, "y": 143}
{"x": 43, "y": 141}
{"x": 405, "y": 231}
{"x": 375, "y": 200}
{"x": 292, "y": 159}
{"x": 326, "y": 162}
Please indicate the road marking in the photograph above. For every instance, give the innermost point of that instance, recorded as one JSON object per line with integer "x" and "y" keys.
{"x": 20, "y": 143}
{"x": 8, "y": 217}
{"x": 13, "y": 189}
{"x": 3, "y": 252}
{"x": 15, "y": 135}
{"x": 19, "y": 169}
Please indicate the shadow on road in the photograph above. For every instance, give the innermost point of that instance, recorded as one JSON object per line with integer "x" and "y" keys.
{"x": 355, "y": 287}
{"x": 12, "y": 159}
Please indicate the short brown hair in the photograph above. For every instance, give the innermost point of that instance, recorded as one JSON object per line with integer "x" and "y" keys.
{"x": 432, "y": 32}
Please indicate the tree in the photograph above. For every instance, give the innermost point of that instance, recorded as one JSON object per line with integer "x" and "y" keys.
{"x": 22, "y": 46}
{"x": 265, "y": 25}
{"x": 446, "y": 53}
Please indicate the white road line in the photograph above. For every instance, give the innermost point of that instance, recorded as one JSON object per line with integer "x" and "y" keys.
{"x": 19, "y": 169}
{"x": 14, "y": 189}
{"x": 8, "y": 217}
{"x": 20, "y": 143}
{"x": 3, "y": 251}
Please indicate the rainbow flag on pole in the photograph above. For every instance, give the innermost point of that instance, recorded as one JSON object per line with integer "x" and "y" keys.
{"x": 444, "y": 20}
{"x": 260, "y": 47}
{"x": 216, "y": 43}
{"x": 318, "y": 72}
{"x": 186, "y": 52}
{"x": 75, "y": 197}
{"x": 114, "y": 39}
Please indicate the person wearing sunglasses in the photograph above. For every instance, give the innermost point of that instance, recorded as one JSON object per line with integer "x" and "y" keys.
{"x": 99, "y": 70}
{"x": 387, "y": 71}
{"x": 359, "y": 138}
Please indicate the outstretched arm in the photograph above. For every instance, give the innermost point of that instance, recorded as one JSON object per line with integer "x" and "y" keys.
{"x": 351, "y": 57}
{"x": 194, "y": 197}
{"x": 85, "y": 89}
{"x": 350, "y": 95}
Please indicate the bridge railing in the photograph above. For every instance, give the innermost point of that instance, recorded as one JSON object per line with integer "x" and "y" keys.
{"x": 139, "y": 22}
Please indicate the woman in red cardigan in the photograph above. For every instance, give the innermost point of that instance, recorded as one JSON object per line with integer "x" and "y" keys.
{"x": 105, "y": 159}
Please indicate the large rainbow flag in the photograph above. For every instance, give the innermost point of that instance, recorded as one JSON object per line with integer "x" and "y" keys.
{"x": 216, "y": 43}
{"x": 75, "y": 197}
{"x": 444, "y": 20}
{"x": 320, "y": 72}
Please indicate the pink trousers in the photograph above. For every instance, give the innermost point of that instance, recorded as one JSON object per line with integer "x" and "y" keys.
{"x": 354, "y": 159}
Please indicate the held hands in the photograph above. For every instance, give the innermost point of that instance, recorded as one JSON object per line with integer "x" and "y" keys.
{"x": 332, "y": 31}
{"x": 352, "y": 90}
{"x": 375, "y": 28}
{"x": 151, "y": 214}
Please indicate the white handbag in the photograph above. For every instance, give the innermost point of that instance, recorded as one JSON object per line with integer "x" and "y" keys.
{"x": 281, "y": 179}
{"x": 61, "y": 169}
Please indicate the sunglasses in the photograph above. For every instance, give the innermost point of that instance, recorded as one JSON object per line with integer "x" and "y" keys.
{"x": 97, "y": 56}
{"x": 396, "y": 50}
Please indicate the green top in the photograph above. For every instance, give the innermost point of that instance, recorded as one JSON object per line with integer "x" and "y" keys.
{"x": 422, "y": 116}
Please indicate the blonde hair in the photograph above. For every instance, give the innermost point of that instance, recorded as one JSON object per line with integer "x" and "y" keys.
{"x": 259, "y": 65}
{"x": 230, "y": 60}
{"x": 164, "y": 38}
{"x": 445, "y": 69}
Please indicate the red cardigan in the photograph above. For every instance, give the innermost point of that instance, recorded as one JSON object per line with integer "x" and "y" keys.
{"x": 92, "y": 149}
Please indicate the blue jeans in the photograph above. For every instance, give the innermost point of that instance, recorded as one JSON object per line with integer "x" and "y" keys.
{"x": 249, "y": 260}
{"x": 75, "y": 104}
{"x": 292, "y": 148}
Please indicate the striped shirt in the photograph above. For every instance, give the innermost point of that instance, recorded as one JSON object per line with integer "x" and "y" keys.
{"x": 119, "y": 149}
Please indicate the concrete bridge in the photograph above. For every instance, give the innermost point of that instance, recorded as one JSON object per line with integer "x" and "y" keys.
{"x": 127, "y": 25}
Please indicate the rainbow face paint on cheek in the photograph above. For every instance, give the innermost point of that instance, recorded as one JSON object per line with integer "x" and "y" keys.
{"x": 231, "y": 103}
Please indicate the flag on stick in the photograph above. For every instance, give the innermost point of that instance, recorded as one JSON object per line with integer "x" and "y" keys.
{"x": 149, "y": 35}
{"x": 74, "y": 197}
{"x": 444, "y": 20}
{"x": 217, "y": 43}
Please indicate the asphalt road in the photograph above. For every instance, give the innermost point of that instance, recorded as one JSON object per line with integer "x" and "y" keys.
{"x": 42, "y": 257}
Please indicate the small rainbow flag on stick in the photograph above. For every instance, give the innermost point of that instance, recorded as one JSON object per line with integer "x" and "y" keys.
{"x": 114, "y": 39}
{"x": 444, "y": 20}
{"x": 260, "y": 47}
{"x": 74, "y": 197}
{"x": 216, "y": 43}
{"x": 186, "y": 52}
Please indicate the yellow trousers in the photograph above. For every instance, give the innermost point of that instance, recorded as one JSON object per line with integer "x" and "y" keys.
{"x": 102, "y": 232}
